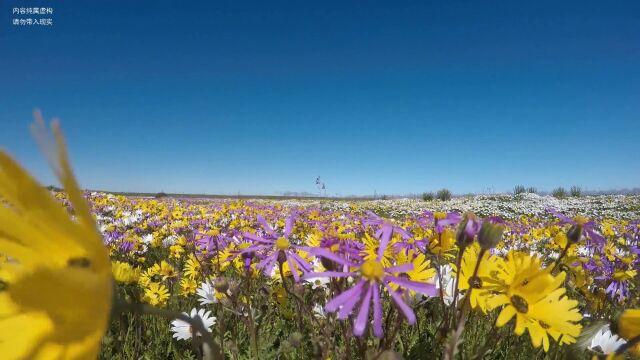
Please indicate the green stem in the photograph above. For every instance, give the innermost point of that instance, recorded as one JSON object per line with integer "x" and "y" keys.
{"x": 457, "y": 282}
{"x": 564, "y": 252}
{"x": 298, "y": 299}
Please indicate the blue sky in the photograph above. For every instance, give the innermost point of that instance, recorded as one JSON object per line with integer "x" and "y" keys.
{"x": 394, "y": 97}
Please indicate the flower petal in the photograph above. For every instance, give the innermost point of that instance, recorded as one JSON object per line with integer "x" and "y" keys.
{"x": 363, "y": 316}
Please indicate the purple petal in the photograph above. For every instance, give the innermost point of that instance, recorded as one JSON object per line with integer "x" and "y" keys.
{"x": 313, "y": 275}
{"x": 339, "y": 300}
{"x": 347, "y": 308}
{"x": 267, "y": 263}
{"x": 404, "y": 233}
{"x": 257, "y": 238}
{"x": 254, "y": 249}
{"x": 363, "y": 316}
{"x": 322, "y": 252}
{"x": 293, "y": 269}
{"x": 423, "y": 288}
{"x": 267, "y": 228}
{"x": 406, "y": 310}
{"x": 400, "y": 268}
{"x": 288, "y": 225}
{"x": 384, "y": 240}
{"x": 302, "y": 263}
{"x": 373, "y": 219}
{"x": 471, "y": 228}
{"x": 377, "y": 312}
{"x": 563, "y": 218}
{"x": 448, "y": 221}
{"x": 599, "y": 240}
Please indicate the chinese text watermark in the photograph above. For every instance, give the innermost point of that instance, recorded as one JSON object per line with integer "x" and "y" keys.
{"x": 32, "y": 16}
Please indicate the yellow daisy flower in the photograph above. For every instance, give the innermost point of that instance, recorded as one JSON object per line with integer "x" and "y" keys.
{"x": 156, "y": 294}
{"x": 188, "y": 286}
{"x": 125, "y": 273}
{"x": 489, "y": 266}
{"x": 422, "y": 270}
{"x": 192, "y": 267}
{"x": 371, "y": 249}
{"x": 531, "y": 294}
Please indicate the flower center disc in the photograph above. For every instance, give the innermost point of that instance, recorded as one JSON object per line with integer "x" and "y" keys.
{"x": 372, "y": 270}
{"x": 520, "y": 304}
{"x": 282, "y": 244}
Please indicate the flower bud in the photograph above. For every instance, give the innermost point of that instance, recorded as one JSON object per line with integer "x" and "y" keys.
{"x": 221, "y": 285}
{"x": 234, "y": 288}
{"x": 467, "y": 230}
{"x": 490, "y": 234}
{"x": 575, "y": 233}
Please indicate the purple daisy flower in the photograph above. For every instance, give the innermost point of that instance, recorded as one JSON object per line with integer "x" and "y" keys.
{"x": 207, "y": 245}
{"x": 273, "y": 248}
{"x": 452, "y": 219}
{"x": 387, "y": 228}
{"x": 247, "y": 257}
{"x": 372, "y": 278}
{"x": 588, "y": 227}
{"x": 615, "y": 272}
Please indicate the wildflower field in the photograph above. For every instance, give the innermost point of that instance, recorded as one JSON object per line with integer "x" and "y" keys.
{"x": 87, "y": 274}
{"x": 327, "y": 279}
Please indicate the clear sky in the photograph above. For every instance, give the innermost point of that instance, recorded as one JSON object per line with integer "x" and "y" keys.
{"x": 394, "y": 97}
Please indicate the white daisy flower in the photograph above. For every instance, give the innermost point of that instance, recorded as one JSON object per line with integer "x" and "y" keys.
{"x": 169, "y": 240}
{"x": 182, "y": 330}
{"x": 206, "y": 293}
{"x": 318, "y": 311}
{"x": 448, "y": 283}
{"x": 147, "y": 238}
{"x": 605, "y": 342}
{"x": 320, "y": 283}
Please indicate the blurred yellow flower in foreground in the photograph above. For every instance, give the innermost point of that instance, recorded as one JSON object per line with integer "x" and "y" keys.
{"x": 629, "y": 324}
{"x": 57, "y": 285}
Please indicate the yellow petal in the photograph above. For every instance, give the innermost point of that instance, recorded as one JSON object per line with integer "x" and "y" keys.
{"x": 505, "y": 315}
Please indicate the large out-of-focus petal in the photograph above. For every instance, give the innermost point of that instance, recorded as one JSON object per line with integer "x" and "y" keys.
{"x": 385, "y": 237}
{"x": 339, "y": 300}
{"x": 377, "y": 312}
{"x": 400, "y": 268}
{"x": 406, "y": 310}
{"x": 363, "y": 315}
{"x": 423, "y": 288}
{"x": 327, "y": 274}
{"x": 288, "y": 225}
{"x": 327, "y": 254}
{"x": 267, "y": 228}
